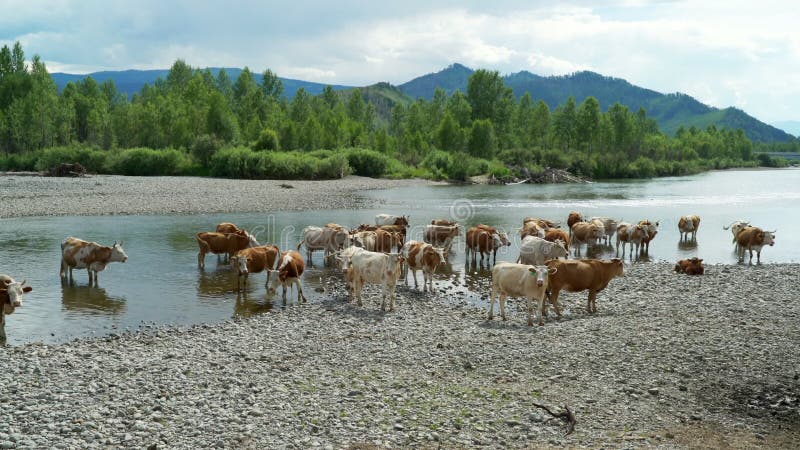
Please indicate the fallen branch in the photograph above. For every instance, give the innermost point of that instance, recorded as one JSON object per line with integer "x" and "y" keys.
{"x": 567, "y": 416}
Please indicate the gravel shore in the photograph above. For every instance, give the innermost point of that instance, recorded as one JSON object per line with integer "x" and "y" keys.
{"x": 669, "y": 361}
{"x": 22, "y": 196}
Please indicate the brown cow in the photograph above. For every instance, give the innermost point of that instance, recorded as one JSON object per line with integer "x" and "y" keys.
{"x": 226, "y": 243}
{"x": 574, "y": 217}
{"x": 389, "y": 219}
{"x": 531, "y": 229}
{"x": 630, "y": 234}
{"x": 754, "y": 238}
{"x": 226, "y": 227}
{"x": 444, "y": 222}
{"x": 425, "y": 257}
{"x": 688, "y": 224}
{"x": 364, "y": 227}
{"x": 693, "y": 266}
{"x": 441, "y": 235}
{"x": 542, "y": 223}
{"x": 585, "y": 233}
{"x": 385, "y": 241}
{"x": 580, "y": 275}
{"x": 254, "y": 260}
{"x": 481, "y": 240}
{"x": 290, "y": 269}
{"x": 652, "y": 230}
{"x": 79, "y": 254}
{"x": 399, "y": 229}
{"x": 555, "y": 234}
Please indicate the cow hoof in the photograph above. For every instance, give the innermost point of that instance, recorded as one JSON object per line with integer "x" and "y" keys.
{"x": 541, "y": 324}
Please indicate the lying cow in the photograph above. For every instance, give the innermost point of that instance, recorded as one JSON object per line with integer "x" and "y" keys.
{"x": 388, "y": 219}
{"x": 535, "y": 251}
{"x": 630, "y": 234}
{"x": 609, "y": 227}
{"x": 254, "y": 260}
{"x": 441, "y": 235}
{"x": 222, "y": 243}
{"x": 581, "y": 275}
{"x": 688, "y": 224}
{"x": 754, "y": 238}
{"x": 372, "y": 267}
{"x": 481, "y": 239}
{"x": 80, "y": 254}
{"x": 519, "y": 280}
{"x": 11, "y": 293}
{"x": 652, "y": 231}
{"x": 693, "y": 266}
{"x": 585, "y": 233}
{"x": 425, "y": 257}
{"x": 290, "y": 269}
{"x": 327, "y": 239}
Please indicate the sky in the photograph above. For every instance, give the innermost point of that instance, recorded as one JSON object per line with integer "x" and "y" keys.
{"x": 724, "y": 53}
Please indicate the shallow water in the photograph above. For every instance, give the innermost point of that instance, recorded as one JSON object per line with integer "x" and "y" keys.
{"x": 161, "y": 282}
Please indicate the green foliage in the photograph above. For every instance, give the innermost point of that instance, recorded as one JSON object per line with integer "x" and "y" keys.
{"x": 267, "y": 140}
{"x": 204, "y": 147}
{"x": 242, "y": 162}
{"x": 149, "y": 162}
{"x": 367, "y": 163}
{"x": 91, "y": 159}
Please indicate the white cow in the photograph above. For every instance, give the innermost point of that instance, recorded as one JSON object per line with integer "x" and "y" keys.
{"x": 609, "y": 226}
{"x": 323, "y": 238}
{"x": 389, "y": 219}
{"x": 373, "y": 267}
{"x": 11, "y": 292}
{"x": 425, "y": 257}
{"x": 535, "y": 251}
{"x": 519, "y": 280}
{"x": 365, "y": 240}
{"x": 344, "y": 257}
{"x": 735, "y": 227}
{"x": 79, "y": 254}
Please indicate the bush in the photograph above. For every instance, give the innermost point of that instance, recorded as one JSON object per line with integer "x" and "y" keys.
{"x": 244, "y": 163}
{"x": 149, "y": 162}
{"x": 204, "y": 148}
{"x": 367, "y": 163}
{"x": 92, "y": 160}
{"x": 267, "y": 140}
{"x": 18, "y": 162}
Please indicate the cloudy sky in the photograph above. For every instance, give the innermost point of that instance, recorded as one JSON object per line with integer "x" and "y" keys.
{"x": 739, "y": 53}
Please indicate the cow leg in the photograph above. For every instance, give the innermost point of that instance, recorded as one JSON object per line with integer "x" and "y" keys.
{"x": 414, "y": 274}
{"x": 201, "y": 263}
{"x": 529, "y": 307}
{"x": 554, "y": 301}
{"x": 541, "y": 310}
{"x": 592, "y": 305}
{"x": 391, "y": 297}
{"x": 492, "y": 295}
{"x": 300, "y": 297}
{"x": 503, "y": 306}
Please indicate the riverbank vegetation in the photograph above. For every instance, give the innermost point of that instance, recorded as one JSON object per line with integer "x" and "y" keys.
{"x": 197, "y": 123}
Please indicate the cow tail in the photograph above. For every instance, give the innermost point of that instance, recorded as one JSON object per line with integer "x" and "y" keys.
{"x": 203, "y": 244}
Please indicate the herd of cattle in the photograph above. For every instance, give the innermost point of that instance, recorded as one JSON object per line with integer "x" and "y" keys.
{"x": 381, "y": 254}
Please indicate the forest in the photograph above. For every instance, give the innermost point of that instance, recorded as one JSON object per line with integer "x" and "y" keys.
{"x": 195, "y": 123}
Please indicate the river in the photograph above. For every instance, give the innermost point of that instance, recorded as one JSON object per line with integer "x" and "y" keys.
{"x": 161, "y": 283}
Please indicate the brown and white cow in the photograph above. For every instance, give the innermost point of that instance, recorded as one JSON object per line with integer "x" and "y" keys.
{"x": 441, "y": 235}
{"x": 692, "y": 266}
{"x": 754, "y": 238}
{"x": 290, "y": 269}
{"x": 328, "y": 239}
{"x": 389, "y": 219}
{"x": 581, "y": 275}
{"x": 630, "y": 234}
{"x": 688, "y": 224}
{"x": 444, "y": 222}
{"x": 422, "y": 256}
{"x": 79, "y": 254}
{"x": 365, "y": 239}
{"x": 364, "y": 227}
{"x": 585, "y": 233}
{"x": 545, "y": 224}
{"x": 532, "y": 229}
{"x": 519, "y": 280}
{"x": 609, "y": 227}
{"x": 222, "y": 243}
{"x": 11, "y": 293}
{"x": 735, "y": 228}
{"x": 254, "y": 260}
{"x": 372, "y": 267}
{"x": 481, "y": 240}
{"x": 652, "y": 231}
{"x": 557, "y": 234}
{"x": 573, "y": 218}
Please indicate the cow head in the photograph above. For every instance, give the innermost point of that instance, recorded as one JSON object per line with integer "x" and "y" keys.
{"x": 275, "y": 280}
{"x": 11, "y": 291}
{"x": 618, "y": 267}
{"x": 117, "y": 253}
{"x": 541, "y": 273}
{"x": 559, "y": 249}
{"x": 240, "y": 264}
{"x": 769, "y": 237}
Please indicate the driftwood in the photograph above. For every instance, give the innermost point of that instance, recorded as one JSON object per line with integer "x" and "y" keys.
{"x": 547, "y": 176}
{"x": 67, "y": 170}
{"x": 567, "y": 416}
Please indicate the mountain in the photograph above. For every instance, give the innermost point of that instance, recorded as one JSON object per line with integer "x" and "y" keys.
{"x": 789, "y": 126}
{"x": 383, "y": 97}
{"x": 671, "y": 111}
{"x": 132, "y": 81}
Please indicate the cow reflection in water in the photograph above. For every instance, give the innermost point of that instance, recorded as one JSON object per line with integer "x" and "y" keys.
{"x": 216, "y": 284}
{"x": 687, "y": 245}
{"x": 87, "y": 300}
{"x": 249, "y": 305}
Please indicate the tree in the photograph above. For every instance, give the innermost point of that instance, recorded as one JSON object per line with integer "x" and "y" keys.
{"x": 449, "y": 135}
{"x": 588, "y": 123}
{"x": 485, "y": 90}
{"x": 482, "y": 143}
{"x": 271, "y": 85}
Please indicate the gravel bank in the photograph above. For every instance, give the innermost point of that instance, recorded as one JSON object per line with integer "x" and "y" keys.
{"x": 112, "y": 194}
{"x": 669, "y": 361}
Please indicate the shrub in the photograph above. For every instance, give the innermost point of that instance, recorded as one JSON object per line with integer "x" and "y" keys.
{"x": 204, "y": 147}
{"x": 267, "y": 140}
{"x": 92, "y": 160}
{"x": 367, "y": 163}
{"x": 149, "y": 162}
{"x": 17, "y": 162}
{"x": 243, "y": 162}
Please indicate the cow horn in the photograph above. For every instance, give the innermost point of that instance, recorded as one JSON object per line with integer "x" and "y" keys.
{"x": 120, "y": 243}
{"x": 23, "y": 283}
{"x": 7, "y": 281}
{"x": 774, "y": 231}
{"x": 115, "y": 244}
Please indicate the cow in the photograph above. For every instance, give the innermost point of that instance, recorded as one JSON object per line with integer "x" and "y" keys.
{"x": 609, "y": 227}
{"x": 226, "y": 227}
{"x": 573, "y": 218}
{"x": 365, "y": 239}
{"x": 79, "y": 254}
{"x": 11, "y": 293}
{"x": 364, "y": 227}
{"x": 519, "y": 280}
{"x": 422, "y": 256}
{"x": 693, "y": 266}
{"x": 481, "y": 240}
{"x": 386, "y": 241}
{"x": 531, "y": 229}
{"x": 290, "y": 269}
{"x": 555, "y": 234}
{"x": 444, "y": 222}
{"x": 373, "y": 267}
{"x": 535, "y": 251}
{"x": 344, "y": 257}
{"x": 735, "y": 228}
{"x": 254, "y": 260}
{"x": 688, "y": 224}
{"x": 441, "y": 235}
{"x": 652, "y": 230}
{"x": 327, "y": 239}
{"x": 754, "y": 238}
{"x": 388, "y": 219}
{"x": 585, "y": 233}
{"x": 399, "y": 229}
{"x": 581, "y": 275}
{"x": 222, "y": 243}
{"x": 630, "y": 234}
{"x": 542, "y": 223}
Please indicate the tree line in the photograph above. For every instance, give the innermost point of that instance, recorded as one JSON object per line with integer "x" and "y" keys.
{"x": 195, "y": 122}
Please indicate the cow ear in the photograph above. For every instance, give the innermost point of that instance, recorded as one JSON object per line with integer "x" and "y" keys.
{"x": 699, "y": 260}
{"x": 27, "y": 289}
{"x": 552, "y": 270}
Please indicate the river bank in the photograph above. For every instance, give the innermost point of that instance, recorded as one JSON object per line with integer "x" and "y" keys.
{"x": 22, "y": 196}
{"x": 669, "y": 361}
